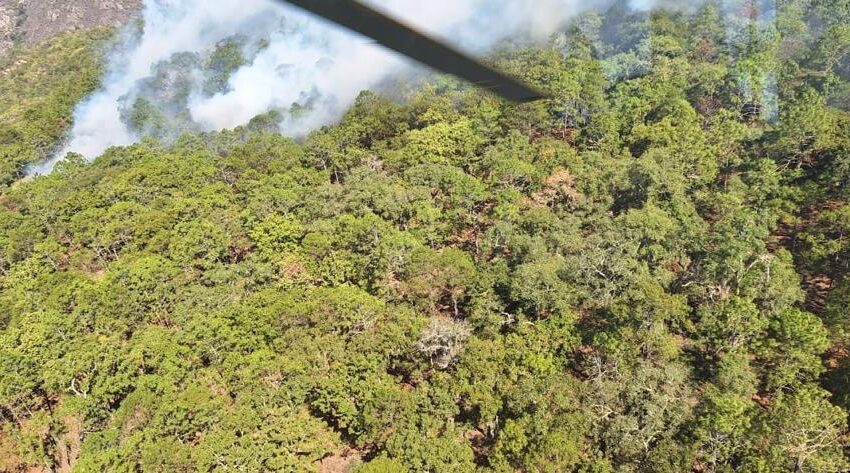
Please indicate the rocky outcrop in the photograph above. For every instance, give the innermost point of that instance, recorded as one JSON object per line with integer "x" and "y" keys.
{"x": 30, "y": 22}
{"x": 8, "y": 24}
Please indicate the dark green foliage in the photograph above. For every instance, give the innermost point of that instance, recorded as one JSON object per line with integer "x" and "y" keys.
{"x": 226, "y": 58}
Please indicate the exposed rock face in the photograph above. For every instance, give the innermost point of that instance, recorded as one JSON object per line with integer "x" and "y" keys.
{"x": 8, "y": 18}
{"x": 32, "y": 21}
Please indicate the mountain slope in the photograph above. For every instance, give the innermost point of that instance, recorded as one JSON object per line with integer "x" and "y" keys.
{"x": 30, "y": 22}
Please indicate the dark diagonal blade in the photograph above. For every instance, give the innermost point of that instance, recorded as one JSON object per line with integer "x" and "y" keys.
{"x": 405, "y": 40}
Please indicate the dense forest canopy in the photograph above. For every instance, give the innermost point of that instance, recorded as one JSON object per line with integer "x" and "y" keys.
{"x": 647, "y": 272}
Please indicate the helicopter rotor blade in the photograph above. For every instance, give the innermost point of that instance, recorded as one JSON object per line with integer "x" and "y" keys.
{"x": 404, "y": 39}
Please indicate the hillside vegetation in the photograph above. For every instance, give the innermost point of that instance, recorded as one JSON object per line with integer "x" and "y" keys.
{"x": 647, "y": 272}
{"x": 39, "y": 89}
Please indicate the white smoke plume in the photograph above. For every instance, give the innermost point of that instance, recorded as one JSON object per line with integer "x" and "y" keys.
{"x": 303, "y": 59}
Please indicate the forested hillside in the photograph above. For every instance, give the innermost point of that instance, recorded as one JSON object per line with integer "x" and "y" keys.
{"x": 646, "y": 272}
{"x": 39, "y": 88}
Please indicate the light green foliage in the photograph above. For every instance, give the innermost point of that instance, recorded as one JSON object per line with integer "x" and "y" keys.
{"x": 801, "y": 431}
{"x": 38, "y": 91}
{"x": 631, "y": 276}
{"x": 276, "y": 234}
{"x": 382, "y": 465}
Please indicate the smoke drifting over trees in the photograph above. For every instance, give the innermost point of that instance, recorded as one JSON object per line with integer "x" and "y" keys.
{"x": 285, "y": 60}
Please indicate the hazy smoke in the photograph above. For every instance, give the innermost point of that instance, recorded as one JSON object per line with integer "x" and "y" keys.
{"x": 293, "y": 60}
